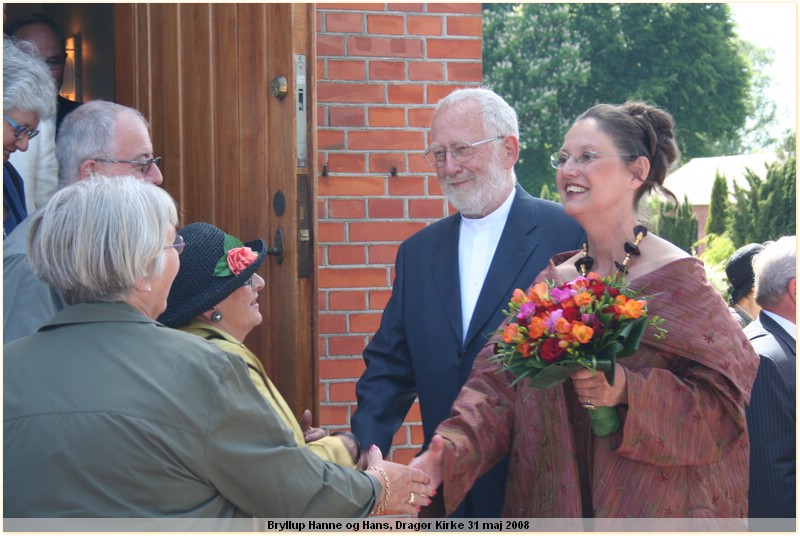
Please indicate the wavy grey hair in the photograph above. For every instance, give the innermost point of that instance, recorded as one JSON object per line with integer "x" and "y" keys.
{"x": 774, "y": 267}
{"x": 498, "y": 115}
{"x": 88, "y": 132}
{"x": 28, "y": 85}
{"x": 94, "y": 238}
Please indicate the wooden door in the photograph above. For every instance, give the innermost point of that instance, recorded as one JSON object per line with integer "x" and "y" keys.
{"x": 201, "y": 74}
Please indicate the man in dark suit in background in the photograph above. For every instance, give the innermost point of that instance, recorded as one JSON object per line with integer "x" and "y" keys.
{"x": 454, "y": 278}
{"x": 771, "y": 413}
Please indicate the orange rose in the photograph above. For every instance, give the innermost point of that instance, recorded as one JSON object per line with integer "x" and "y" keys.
{"x": 510, "y": 334}
{"x": 582, "y": 333}
{"x": 541, "y": 292}
{"x": 240, "y": 258}
{"x": 518, "y": 297}
{"x": 583, "y": 298}
{"x": 563, "y": 325}
{"x": 536, "y": 328}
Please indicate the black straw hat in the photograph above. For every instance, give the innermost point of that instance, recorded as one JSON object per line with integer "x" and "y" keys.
{"x": 739, "y": 270}
{"x": 196, "y": 289}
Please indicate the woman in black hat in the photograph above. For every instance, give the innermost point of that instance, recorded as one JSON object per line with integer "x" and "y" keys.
{"x": 739, "y": 270}
{"x": 215, "y": 296}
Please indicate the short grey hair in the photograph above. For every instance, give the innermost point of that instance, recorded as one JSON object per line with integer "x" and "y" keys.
{"x": 774, "y": 267}
{"x": 88, "y": 132}
{"x": 94, "y": 238}
{"x": 28, "y": 85}
{"x": 498, "y": 115}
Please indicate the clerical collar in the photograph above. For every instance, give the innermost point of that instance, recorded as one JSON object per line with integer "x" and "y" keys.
{"x": 499, "y": 216}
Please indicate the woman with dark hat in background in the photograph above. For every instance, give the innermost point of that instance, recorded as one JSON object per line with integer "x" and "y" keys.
{"x": 739, "y": 270}
{"x": 215, "y": 296}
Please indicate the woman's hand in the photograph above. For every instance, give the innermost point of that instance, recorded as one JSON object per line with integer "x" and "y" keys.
{"x": 409, "y": 489}
{"x": 593, "y": 388}
{"x": 309, "y": 432}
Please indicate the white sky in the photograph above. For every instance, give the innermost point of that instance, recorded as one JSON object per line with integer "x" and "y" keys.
{"x": 774, "y": 25}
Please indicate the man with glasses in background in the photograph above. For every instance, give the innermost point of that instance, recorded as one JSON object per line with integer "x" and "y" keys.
{"x": 454, "y": 278}
{"x": 99, "y": 138}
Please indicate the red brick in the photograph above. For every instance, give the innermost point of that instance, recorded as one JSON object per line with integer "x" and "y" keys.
{"x": 342, "y": 392}
{"x": 332, "y": 415}
{"x": 347, "y": 255}
{"x": 384, "y": 162}
{"x": 386, "y": 208}
{"x": 404, "y": 455}
{"x": 332, "y": 323}
{"x": 346, "y": 163}
{"x": 337, "y": 278}
{"x": 385, "y": 47}
{"x": 346, "y": 70}
{"x": 428, "y": 71}
{"x": 386, "y": 117}
{"x": 352, "y": 345}
{"x": 318, "y": 22}
{"x": 438, "y": 92}
{"x": 426, "y": 208}
{"x": 347, "y": 300}
{"x": 347, "y": 6}
{"x": 344, "y": 22}
{"x": 414, "y": 414}
{"x": 407, "y": 186}
{"x": 465, "y": 72}
{"x": 330, "y": 139}
{"x": 434, "y": 188}
{"x": 387, "y": 70}
{"x": 382, "y": 232}
{"x": 347, "y": 117}
{"x": 417, "y": 435}
{"x": 350, "y": 93}
{"x": 330, "y": 232}
{"x": 421, "y": 117}
{"x": 406, "y": 94}
{"x": 401, "y": 436}
{"x": 421, "y": 25}
{"x": 455, "y": 48}
{"x": 347, "y": 209}
{"x": 411, "y": 8}
{"x": 364, "y": 322}
{"x": 341, "y": 368}
{"x": 381, "y": 254}
{"x": 466, "y": 26}
{"x": 351, "y": 186}
{"x": 379, "y": 298}
{"x": 465, "y": 9}
{"x": 330, "y": 45}
{"x": 386, "y": 140}
{"x": 418, "y": 164}
{"x": 385, "y": 24}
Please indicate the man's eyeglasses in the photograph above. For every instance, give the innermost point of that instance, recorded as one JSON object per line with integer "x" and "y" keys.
{"x": 20, "y": 130}
{"x": 143, "y": 165}
{"x": 55, "y": 62}
{"x": 560, "y": 159}
{"x": 461, "y": 152}
{"x": 178, "y": 244}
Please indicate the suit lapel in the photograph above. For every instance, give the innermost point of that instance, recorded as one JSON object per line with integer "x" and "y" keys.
{"x": 444, "y": 270}
{"x": 773, "y": 327}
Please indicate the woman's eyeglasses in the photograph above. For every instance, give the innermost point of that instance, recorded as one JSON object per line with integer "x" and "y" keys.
{"x": 178, "y": 244}
{"x": 560, "y": 159}
{"x": 21, "y": 131}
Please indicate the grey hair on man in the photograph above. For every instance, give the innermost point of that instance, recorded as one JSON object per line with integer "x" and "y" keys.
{"x": 774, "y": 267}
{"x": 94, "y": 238}
{"x": 498, "y": 115}
{"x": 87, "y": 133}
{"x": 27, "y": 84}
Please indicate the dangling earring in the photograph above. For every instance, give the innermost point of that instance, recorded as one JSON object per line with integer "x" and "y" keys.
{"x": 216, "y": 316}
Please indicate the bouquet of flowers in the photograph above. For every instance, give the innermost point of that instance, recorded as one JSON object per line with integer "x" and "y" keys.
{"x": 588, "y": 322}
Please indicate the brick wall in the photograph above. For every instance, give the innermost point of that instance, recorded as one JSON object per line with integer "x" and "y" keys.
{"x": 381, "y": 68}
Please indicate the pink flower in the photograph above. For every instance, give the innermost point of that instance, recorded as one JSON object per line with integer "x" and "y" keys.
{"x": 240, "y": 258}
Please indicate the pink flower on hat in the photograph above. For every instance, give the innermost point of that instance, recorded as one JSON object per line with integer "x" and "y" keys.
{"x": 240, "y": 258}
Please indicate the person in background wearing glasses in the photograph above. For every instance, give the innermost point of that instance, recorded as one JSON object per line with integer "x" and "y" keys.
{"x": 215, "y": 296}
{"x": 118, "y": 416}
{"x": 38, "y": 165}
{"x": 100, "y": 137}
{"x": 28, "y": 96}
{"x": 453, "y": 278}
{"x": 681, "y": 450}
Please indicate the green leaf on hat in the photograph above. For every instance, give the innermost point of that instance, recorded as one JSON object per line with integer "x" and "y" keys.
{"x": 222, "y": 269}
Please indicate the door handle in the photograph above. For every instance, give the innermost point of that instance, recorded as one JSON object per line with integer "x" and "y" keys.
{"x": 277, "y": 249}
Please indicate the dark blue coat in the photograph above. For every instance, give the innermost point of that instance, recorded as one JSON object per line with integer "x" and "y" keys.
{"x": 418, "y": 351}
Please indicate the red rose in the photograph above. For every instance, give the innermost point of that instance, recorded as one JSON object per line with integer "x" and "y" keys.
{"x": 572, "y": 314}
{"x": 240, "y": 258}
{"x": 613, "y": 291}
{"x": 550, "y": 351}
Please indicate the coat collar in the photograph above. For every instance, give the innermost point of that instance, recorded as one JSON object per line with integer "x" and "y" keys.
{"x": 90, "y": 313}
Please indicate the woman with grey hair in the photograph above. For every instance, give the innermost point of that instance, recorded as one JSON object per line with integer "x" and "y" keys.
{"x": 29, "y": 94}
{"x": 108, "y": 413}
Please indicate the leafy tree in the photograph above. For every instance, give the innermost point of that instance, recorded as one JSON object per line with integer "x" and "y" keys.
{"x": 546, "y": 194}
{"x": 680, "y": 228}
{"x": 553, "y": 61}
{"x": 718, "y": 207}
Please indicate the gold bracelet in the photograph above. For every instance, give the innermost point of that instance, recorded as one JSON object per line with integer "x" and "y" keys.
{"x": 378, "y": 511}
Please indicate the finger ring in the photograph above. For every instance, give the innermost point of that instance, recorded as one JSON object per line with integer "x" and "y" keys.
{"x": 411, "y": 498}
{"x": 588, "y": 405}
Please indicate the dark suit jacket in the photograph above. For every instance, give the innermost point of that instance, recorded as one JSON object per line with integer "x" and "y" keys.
{"x": 418, "y": 351}
{"x": 63, "y": 107}
{"x": 771, "y": 421}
